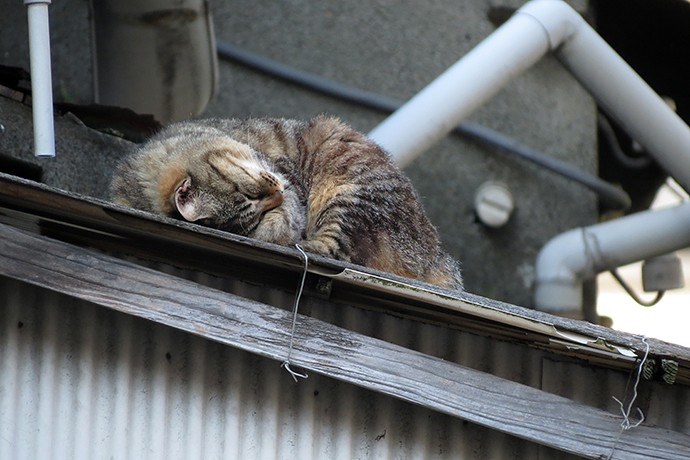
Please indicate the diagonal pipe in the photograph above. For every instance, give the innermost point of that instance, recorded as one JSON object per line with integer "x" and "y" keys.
{"x": 539, "y": 27}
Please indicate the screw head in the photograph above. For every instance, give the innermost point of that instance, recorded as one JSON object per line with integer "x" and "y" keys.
{"x": 494, "y": 204}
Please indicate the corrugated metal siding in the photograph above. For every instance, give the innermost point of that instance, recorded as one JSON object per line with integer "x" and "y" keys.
{"x": 81, "y": 382}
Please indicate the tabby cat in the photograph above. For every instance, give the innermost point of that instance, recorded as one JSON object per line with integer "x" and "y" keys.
{"x": 319, "y": 183}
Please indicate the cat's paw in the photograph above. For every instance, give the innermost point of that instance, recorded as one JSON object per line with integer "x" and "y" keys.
{"x": 324, "y": 247}
{"x": 276, "y": 227}
{"x": 315, "y": 247}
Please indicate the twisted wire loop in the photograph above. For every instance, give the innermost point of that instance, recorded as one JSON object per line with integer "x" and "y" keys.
{"x": 288, "y": 361}
{"x": 627, "y": 423}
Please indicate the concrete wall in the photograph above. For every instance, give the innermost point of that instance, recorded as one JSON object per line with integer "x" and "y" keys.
{"x": 395, "y": 49}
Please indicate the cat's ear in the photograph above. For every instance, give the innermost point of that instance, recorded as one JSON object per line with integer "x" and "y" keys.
{"x": 188, "y": 202}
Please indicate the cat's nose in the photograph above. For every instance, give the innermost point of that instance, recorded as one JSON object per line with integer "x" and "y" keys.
{"x": 271, "y": 201}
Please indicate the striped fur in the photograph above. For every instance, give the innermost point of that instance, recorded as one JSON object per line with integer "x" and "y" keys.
{"x": 319, "y": 183}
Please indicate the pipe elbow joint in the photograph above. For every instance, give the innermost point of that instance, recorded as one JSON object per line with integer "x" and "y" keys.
{"x": 558, "y": 295}
{"x": 560, "y": 268}
{"x": 558, "y": 19}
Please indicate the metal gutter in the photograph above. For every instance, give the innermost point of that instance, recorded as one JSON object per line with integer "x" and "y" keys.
{"x": 96, "y": 223}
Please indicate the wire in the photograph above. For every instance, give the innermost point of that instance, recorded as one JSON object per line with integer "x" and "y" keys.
{"x": 288, "y": 361}
{"x": 635, "y": 297}
{"x": 626, "y": 160}
{"x": 610, "y": 196}
{"x": 626, "y": 423}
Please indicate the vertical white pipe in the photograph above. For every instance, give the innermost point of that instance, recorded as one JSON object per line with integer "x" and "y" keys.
{"x": 464, "y": 87}
{"x": 41, "y": 81}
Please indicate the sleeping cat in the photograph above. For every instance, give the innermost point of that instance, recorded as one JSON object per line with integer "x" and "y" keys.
{"x": 319, "y": 183}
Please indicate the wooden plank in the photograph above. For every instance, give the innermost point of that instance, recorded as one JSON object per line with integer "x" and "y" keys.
{"x": 134, "y": 232}
{"x": 323, "y": 348}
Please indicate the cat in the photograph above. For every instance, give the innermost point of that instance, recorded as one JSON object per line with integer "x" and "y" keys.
{"x": 318, "y": 183}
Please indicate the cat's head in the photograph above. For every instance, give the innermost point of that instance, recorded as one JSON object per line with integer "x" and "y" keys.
{"x": 227, "y": 186}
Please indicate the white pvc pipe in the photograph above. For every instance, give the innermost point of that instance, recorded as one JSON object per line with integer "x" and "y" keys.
{"x": 583, "y": 252}
{"x": 41, "y": 81}
{"x": 616, "y": 87}
{"x": 537, "y": 27}
{"x": 460, "y": 90}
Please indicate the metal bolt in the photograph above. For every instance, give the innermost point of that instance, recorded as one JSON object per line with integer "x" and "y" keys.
{"x": 493, "y": 204}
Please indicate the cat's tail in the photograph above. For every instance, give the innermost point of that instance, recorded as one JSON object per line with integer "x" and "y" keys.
{"x": 447, "y": 273}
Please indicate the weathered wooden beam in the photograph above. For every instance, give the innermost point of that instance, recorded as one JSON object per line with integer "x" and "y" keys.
{"x": 439, "y": 385}
{"x": 77, "y": 218}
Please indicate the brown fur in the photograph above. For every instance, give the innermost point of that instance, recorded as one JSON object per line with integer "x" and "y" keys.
{"x": 320, "y": 184}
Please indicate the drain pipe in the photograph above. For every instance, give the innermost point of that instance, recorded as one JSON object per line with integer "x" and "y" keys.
{"x": 41, "y": 81}
{"x": 582, "y": 253}
{"x": 461, "y": 89}
{"x": 536, "y": 28}
{"x": 616, "y": 87}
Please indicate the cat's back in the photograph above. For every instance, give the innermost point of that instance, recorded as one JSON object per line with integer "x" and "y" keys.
{"x": 276, "y": 138}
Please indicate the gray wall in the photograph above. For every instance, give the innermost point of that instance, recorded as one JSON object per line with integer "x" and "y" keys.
{"x": 392, "y": 48}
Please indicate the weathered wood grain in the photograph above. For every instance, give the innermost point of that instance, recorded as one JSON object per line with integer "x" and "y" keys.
{"x": 73, "y": 217}
{"x": 323, "y": 348}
